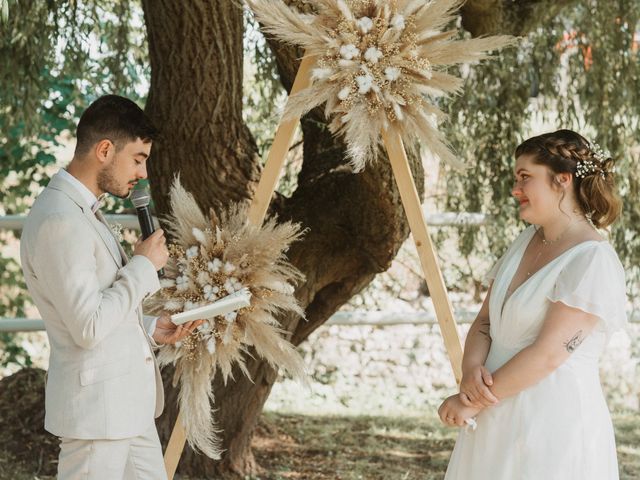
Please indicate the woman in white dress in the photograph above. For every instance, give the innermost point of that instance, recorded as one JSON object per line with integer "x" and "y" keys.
{"x": 530, "y": 368}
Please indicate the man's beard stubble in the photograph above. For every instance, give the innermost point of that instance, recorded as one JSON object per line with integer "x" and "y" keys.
{"x": 107, "y": 181}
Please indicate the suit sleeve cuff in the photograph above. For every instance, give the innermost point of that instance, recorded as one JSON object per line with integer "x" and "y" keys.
{"x": 150, "y": 280}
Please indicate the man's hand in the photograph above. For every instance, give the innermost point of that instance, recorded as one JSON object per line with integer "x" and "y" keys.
{"x": 168, "y": 332}
{"x": 154, "y": 248}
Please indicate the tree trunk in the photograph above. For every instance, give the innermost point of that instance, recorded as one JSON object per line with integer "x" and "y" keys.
{"x": 356, "y": 222}
{"x": 195, "y": 52}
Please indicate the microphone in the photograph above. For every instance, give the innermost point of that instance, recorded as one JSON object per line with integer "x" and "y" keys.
{"x": 140, "y": 199}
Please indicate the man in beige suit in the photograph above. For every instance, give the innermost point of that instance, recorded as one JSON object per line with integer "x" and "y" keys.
{"x": 103, "y": 387}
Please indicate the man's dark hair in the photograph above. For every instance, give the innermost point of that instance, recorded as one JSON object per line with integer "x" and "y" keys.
{"x": 113, "y": 118}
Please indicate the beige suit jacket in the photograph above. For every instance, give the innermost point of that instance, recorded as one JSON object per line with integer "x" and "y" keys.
{"x": 102, "y": 383}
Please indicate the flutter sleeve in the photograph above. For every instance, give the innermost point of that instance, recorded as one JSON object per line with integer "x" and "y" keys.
{"x": 594, "y": 282}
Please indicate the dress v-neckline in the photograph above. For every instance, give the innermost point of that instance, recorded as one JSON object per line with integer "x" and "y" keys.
{"x": 506, "y": 299}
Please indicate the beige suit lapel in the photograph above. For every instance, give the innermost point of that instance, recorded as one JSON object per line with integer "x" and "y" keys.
{"x": 122, "y": 258}
{"x": 58, "y": 183}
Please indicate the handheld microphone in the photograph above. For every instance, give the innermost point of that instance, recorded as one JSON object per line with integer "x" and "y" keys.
{"x": 140, "y": 199}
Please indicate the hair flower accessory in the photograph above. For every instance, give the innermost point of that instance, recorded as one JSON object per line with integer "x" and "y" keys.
{"x": 585, "y": 168}
{"x": 599, "y": 153}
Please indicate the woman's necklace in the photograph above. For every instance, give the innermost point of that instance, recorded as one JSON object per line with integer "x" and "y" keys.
{"x": 546, "y": 243}
{"x": 512, "y": 288}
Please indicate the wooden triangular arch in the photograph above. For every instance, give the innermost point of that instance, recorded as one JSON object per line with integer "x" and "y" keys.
{"x": 411, "y": 202}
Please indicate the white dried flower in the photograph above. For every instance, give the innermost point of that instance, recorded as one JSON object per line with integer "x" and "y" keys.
{"x": 167, "y": 283}
{"x": 229, "y": 286}
{"x": 192, "y": 251}
{"x": 211, "y": 346}
{"x": 229, "y": 267}
{"x": 210, "y": 292}
{"x": 203, "y": 277}
{"x": 392, "y": 73}
{"x": 365, "y": 24}
{"x": 373, "y": 55}
{"x": 215, "y": 265}
{"x": 189, "y": 305}
{"x": 182, "y": 282}
{"x": 344, "y": 93}
{"x": 200, "y": 236}
{"x": 321, "y": 73}
{"x": 173, "y": 304}
{"x": 397, "y": 22}
{"x": 230, "y": 317}
{"x": 365, "y": 82}
{"x": 349, "y": 51}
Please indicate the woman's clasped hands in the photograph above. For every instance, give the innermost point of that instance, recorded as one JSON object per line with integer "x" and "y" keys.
{"x": 474, "y": 396}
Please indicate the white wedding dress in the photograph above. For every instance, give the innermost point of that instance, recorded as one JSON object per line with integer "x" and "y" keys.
{"x": 560, "y": 428}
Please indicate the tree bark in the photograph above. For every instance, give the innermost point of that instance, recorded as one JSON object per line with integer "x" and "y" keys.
{"x": 356, "y": 222}
{"x": 195, "y": 99}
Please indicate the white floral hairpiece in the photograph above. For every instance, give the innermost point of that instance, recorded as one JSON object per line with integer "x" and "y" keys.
{"x": 598, "y": 152}
{"x": 584, "y": 168}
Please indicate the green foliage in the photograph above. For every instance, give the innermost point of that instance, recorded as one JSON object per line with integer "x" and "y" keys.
{"x": 264, "y": 97}
{"x": 263, "y": 92}
{"x": 546, "y": 84}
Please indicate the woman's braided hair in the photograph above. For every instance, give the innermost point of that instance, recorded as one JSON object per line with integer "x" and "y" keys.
{"x": 565, "y": 151}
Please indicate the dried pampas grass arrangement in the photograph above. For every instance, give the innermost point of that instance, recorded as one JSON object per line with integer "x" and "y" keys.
{"x": 211, "y": 258}
{"x": 380, "y": 65}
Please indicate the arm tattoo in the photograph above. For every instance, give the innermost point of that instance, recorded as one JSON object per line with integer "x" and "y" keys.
{"x": 485, "y": 328}
{"x": 574, "y": 343}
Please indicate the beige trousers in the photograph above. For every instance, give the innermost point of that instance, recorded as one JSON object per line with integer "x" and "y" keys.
{"x": 136, "y": 458}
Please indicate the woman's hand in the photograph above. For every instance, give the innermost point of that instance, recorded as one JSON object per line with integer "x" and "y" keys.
{"x": 474, "y": 388}
{"x": 454, "y": 412}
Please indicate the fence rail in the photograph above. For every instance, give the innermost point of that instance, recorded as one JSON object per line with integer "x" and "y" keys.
{"x": 352, "y": 318}
{"x": 443, "y": 219}
{"x": 380, "y": 319}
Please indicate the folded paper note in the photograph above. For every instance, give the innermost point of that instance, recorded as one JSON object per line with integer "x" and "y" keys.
{"x": 230, "y": 303}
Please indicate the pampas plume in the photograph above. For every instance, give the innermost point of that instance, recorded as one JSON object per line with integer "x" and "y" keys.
{"x": 380, "y": 65}
{"x": 210, "y": 258}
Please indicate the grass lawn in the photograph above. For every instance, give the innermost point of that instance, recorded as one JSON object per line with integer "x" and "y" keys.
{"x": 359, "y": 447}
{"x": 403, "y": 448}
{"x": 331, "y": 447}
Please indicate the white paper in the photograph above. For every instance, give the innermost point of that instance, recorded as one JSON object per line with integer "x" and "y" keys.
{"x": 230, "y": 303}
